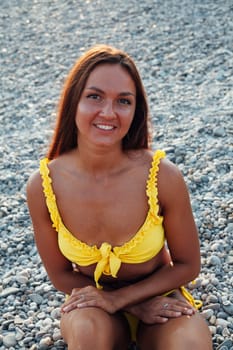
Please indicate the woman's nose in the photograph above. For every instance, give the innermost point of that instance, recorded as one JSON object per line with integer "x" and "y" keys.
{"x": 107, "y": 110}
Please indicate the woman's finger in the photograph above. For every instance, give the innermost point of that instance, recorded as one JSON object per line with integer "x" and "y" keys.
{"x": 72, "y": 302}
{"x": 176, "y": 313}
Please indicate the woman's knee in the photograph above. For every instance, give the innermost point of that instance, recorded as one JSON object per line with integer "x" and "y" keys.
{"x": 83, "y": 323}
{"x": 91, "y": 328}
{"x": 180, "y": 333}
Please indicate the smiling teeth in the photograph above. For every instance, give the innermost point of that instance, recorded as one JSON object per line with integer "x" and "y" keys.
{"x": 105, "y": 127}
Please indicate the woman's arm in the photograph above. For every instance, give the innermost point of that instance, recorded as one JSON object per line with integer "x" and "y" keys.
{"x": 182, "y": 239}
{"x": 59, "y": 269}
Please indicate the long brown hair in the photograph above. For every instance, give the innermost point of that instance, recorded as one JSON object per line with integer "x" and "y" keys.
{"x": 65, "y": 134}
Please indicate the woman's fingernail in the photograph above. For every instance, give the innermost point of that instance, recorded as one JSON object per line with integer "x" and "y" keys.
{"x": 189, "y": 311}
{"x": 80, "y": 305}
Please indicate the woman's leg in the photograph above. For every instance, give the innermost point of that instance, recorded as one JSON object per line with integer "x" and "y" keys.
{"x": 93, "y": 328}
{"x": 185, "y": 332}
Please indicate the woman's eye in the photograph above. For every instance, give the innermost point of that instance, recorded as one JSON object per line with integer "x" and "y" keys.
{"x": 124, "y": 101}
{"x": 93, "y": 96}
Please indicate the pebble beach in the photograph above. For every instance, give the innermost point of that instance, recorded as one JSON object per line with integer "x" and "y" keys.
{"x": 184, "y": 52}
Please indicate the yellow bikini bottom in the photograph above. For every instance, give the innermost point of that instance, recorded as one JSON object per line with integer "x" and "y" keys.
{"x": 134, "y": 321}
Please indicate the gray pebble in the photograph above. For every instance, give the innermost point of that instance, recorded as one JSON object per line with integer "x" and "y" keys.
{"x": 8, "y": 291}
{"x": 207, "y": 313}
{"x": 222, "y": 322}
{"x": 214, "y": 260}
{"x": 228, "y": 308}
{"x": 9, "y": 340}
{"x": 212, "y": 299}
{"x": 227, "y": 343}
{"x": 36, "y": 298}
{"x": 219, "y": 132}
{"x": 45, "y": 343}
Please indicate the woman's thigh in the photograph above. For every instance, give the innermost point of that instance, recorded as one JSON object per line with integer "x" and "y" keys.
{"x": 184, "y": 332}
{"x": 95, "y": 327}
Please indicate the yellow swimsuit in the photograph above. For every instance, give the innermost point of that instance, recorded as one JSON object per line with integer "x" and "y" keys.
{"x": 144, "y": 245}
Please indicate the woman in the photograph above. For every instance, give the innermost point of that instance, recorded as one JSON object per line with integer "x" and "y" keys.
{"x": 102, "y": 207}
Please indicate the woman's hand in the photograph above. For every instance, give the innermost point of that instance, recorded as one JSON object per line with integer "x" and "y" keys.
{"x": 160, "y": 308}
{"x": 90, "y": 297}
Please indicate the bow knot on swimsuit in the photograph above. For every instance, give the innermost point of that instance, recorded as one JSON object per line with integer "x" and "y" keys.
{"x": 108, "y": 264}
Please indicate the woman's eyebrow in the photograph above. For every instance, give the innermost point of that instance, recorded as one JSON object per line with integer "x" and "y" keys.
{"x": 123, "y": 93}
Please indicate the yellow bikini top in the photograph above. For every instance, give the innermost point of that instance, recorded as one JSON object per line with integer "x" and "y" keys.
{"x": 144, "y": 245}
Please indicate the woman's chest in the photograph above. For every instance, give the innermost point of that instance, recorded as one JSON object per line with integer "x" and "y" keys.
{"x": 109, "y": 212}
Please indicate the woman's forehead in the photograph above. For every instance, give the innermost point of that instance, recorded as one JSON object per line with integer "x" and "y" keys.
{"x": 110, "y": 76}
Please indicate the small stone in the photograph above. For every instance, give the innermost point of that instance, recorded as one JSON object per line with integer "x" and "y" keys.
{"x": 45, "y": 343}
{"x": 212, "y": 330}
{"x": 41, "y": 315}
{"x": 19, "y": 334}
{"x": 56, "y": 335}
{"x": 222, "y": 322}
{"x": 228, "y": 307}
{"x": 215, "y": 306}
{"x": 228, "y": 343}
{"x": 212, "y": 320}
{"x": 219, "y": 131}
{"x": 56, "y": 313}
{"x": 9, "y": 340}
{"x": 21, "y": 279}
{"x": 47, "y": 322}
{"x": 214, "y": 260}
{"x": 36, "y": 298}
{"x": 207, "y": 313}
{"x": 226, "y": 332}
{"x": 212, "y": 299}
{"x": 229, "y": 260}
{"x": 8, "y": 291}
{"x": 27, "y": 340}
{"x": 222, "y": 314}
{"x": 34, "y": 347}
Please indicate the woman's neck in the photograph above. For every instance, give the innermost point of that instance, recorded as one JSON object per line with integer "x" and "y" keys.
{"x": 100, "y": 161}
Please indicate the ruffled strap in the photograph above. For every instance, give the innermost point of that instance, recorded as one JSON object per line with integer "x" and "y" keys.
{"x": 49, "y": 195}
{"x": 152, "y": 182}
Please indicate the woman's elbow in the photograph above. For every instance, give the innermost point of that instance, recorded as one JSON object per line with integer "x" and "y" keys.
{"x": 194, "y": 269}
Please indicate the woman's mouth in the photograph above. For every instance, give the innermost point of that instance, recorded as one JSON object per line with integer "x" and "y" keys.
{"x": 104, "y": 127}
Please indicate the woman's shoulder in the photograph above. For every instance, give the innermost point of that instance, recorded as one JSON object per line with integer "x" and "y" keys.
{"x": 34, "y": 181}
{"x": 34, "y": 190}
{"x": 168, "y": 170}
{"x": 171, "y": 183}
{"x": 39, "y": 182}
{"x": 147, "y": 156}
{"x": 154, "y": 158}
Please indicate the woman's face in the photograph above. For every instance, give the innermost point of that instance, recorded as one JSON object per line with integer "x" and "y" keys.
{"x": 107, "y": 105}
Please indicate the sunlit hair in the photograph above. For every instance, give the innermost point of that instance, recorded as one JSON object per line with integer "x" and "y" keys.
{"x": 65, "y": 135}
